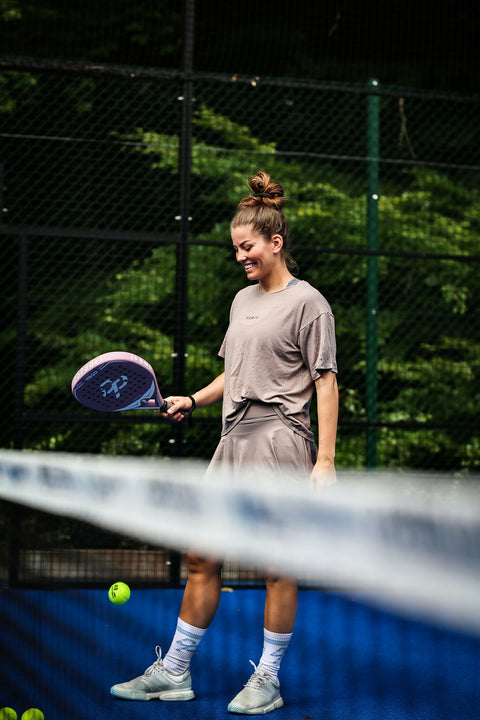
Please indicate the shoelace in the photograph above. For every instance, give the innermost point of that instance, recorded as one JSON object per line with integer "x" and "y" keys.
{"x": 157, "y": 665}
{"x": 258, "y": 679}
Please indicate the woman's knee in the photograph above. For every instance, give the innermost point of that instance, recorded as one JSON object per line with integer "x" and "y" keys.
{"x": 274, "y": 582}
{"x": 201, "y": 566}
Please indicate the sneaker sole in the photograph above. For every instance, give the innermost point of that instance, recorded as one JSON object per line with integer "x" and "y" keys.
{"x": 166, "y": 695}
{"x": 242, "y": 710}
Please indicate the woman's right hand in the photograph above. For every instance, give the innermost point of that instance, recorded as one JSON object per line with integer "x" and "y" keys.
{"x": 181, "y": 406}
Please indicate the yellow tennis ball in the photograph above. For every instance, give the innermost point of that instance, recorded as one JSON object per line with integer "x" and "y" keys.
{"x": 33, "y": 714}
{"x": 119, "y": 593}
{"x": 8, "y": 714}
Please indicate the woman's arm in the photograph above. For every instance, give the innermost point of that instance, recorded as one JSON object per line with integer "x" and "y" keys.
{"x": 208, "y": 395}
{"x": 323, "y": 472}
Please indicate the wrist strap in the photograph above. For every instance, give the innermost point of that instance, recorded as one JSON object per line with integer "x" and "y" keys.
{"x": 194, "y": 404}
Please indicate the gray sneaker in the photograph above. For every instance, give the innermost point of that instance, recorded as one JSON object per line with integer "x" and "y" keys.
{"x": 156, "y": 682}
{"x": 260, "y": 695}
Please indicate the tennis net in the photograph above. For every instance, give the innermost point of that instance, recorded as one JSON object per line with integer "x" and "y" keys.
{"x": 409, "y": 540}
{"x": 388, "y": 622}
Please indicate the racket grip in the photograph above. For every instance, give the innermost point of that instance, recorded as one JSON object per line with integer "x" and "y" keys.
{"x": 152, "y": 403}
{"x": 164, "y": 407}
{"x": 167, "y": 405}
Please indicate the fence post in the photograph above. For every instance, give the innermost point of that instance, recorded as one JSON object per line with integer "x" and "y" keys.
{"x": 373, "y": 145}
{"x": 181, "y": 277}
{"x": 15, "y": 513}
{"x": 21, "y": 340}
{"x": 3, "y": 209}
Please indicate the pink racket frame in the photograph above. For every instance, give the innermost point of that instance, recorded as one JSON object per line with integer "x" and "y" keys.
{"x": 116, "y": 381}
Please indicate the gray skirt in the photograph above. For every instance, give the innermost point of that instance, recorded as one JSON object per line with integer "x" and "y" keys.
{"x": 263, "y": 441}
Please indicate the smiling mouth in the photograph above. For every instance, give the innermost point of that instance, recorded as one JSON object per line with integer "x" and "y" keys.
{"x": 249, "y": 266}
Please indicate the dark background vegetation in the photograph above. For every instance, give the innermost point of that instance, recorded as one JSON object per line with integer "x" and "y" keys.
{"x": 423, "y": 44}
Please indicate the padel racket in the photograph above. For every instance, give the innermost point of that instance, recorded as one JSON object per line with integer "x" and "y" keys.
{"x": 118, "y": 381}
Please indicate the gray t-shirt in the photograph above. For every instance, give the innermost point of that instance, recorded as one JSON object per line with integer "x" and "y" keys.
{"x": 276, "y": 346}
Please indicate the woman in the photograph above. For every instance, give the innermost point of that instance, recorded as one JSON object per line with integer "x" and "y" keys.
{"x": 278, "y": 350}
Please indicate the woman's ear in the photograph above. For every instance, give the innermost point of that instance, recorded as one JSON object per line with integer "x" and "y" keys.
{"x": 277, "y": 242}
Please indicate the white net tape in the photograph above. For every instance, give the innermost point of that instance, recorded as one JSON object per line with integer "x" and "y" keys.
{"x": 412, "y": 541}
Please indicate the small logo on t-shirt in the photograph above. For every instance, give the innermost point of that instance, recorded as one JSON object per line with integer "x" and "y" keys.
{"x": 252, "y": 317}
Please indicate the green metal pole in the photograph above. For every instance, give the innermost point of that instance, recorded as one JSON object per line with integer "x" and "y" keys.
{"x": 373, "y": 149}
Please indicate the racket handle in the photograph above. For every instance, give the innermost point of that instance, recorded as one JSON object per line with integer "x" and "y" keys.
{"x": 166, "y": 405}
{"x": 152, "y": 403}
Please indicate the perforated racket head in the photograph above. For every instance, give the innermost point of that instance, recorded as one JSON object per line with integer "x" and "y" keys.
{"x": 117, "y": 381}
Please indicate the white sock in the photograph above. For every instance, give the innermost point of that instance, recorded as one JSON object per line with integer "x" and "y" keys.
{"x": 274, "y": 648}
{"x": 184, "y": 644}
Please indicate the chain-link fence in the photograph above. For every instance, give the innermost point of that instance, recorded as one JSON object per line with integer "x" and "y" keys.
{"x": 118, "y": 191}
{"x": 99, "y": 167}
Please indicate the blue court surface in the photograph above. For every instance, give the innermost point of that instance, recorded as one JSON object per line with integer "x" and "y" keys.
{"x": 62, "y": 650}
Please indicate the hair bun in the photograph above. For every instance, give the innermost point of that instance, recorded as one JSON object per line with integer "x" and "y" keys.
{"x": 264, "y": 190}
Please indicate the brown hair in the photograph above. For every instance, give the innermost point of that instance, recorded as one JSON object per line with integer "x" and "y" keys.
{"x": 263, "y": 211}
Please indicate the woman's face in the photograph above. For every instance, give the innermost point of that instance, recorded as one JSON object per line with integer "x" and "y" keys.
{"x": 256, "y": 255}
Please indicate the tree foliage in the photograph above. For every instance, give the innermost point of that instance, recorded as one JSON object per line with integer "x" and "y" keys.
{"x": 429, "y": 352}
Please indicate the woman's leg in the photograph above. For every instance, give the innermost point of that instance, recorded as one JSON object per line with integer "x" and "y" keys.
{"x": 169, "y": 679}
{"x": 261, "y": 694}
{"x": 280, "y": 613}
{"x": 199, "y": 605}
{"x": 202, "y": 591}
{"x": 281, "y": 604}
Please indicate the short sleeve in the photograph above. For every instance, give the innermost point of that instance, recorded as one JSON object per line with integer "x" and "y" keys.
{"x": 318, "y": 345}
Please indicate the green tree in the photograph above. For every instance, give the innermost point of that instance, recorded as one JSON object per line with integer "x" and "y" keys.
{"x": 428, "y": 347}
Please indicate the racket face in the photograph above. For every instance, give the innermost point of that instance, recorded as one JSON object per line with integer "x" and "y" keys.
{"x": 116, "y": 381}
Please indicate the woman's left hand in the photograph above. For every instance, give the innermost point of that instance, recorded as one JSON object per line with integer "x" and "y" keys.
{"x": 323, "y": 473}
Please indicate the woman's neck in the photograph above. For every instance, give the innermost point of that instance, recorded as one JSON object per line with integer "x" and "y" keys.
{"x": 275, "y": 281}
